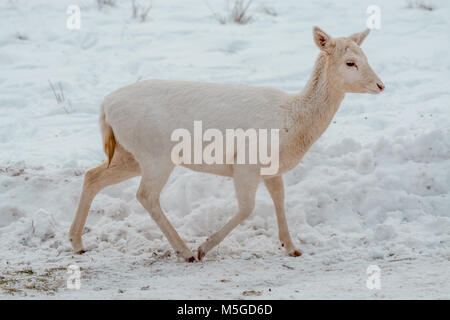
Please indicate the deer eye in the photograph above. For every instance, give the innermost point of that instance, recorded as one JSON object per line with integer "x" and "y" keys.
{"x": 351, "y": 64}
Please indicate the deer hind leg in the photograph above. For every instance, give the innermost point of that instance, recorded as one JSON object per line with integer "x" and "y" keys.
{"x": 246, "y": 180}
{"x": 154, "y": 177}
{"x": 123, "y": 166}
{"x": 276, "y": 189}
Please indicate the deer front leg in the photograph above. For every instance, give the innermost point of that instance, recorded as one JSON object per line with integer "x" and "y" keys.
{"x": 276, "y": 189}
{"x": 153, "y": 181}
{"x": 246, "y": 180}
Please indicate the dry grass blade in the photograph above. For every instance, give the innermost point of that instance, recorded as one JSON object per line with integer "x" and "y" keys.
{"x": 140, "y": 12}
{"x": 239, "y": 12}
{"x": 103, "y": 3}
{"x": 59, "y": 96}
{"x": 419, "y": 4}
{"x": 252, "y": 293}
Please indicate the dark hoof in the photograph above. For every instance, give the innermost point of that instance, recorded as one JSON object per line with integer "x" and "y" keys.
{"x": 200, "y": 254}
{"x": 295, "y": 253}
{"x": 191, "y": 259}
{"x": 81, "y": 252}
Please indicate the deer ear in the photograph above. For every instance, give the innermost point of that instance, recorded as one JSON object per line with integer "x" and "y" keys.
{"x": 359, "y": 37}
{"x": 323, "y": 40}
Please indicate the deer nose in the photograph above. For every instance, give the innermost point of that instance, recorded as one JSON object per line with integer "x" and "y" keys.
{"x": 380, "y": 86}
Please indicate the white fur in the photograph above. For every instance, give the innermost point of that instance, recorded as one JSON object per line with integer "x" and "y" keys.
{"x": 143, "y": 116}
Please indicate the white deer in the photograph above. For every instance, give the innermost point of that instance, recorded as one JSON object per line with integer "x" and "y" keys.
{"x": 137, "y": 121}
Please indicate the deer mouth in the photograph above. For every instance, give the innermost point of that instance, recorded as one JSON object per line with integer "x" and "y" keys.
{"x": 375, "y": 89}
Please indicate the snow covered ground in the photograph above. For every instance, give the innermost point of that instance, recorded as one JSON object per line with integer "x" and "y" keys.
{"x": 374, "y": 189}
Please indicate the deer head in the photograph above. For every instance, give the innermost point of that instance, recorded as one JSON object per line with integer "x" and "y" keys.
{"x": 348, "y": 69}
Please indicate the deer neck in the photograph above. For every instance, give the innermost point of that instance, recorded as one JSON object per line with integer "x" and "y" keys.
{"x": 311, "y": 111}
{"x": 319, "y": 100}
